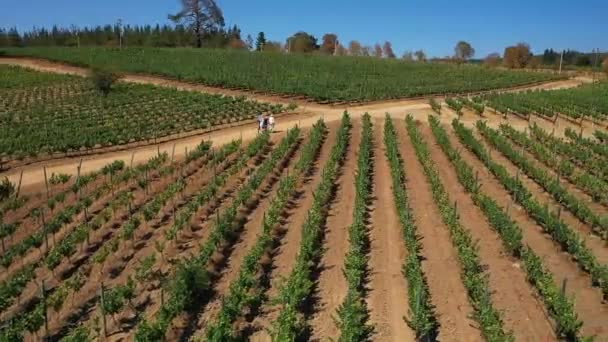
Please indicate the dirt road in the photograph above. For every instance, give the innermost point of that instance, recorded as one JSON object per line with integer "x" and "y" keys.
{"x": 307, "y": 114}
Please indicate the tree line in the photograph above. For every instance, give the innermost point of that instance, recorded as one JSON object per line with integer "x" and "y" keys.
{"x": 200, "y": 23}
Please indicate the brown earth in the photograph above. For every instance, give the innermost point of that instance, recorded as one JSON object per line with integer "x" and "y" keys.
{"x": 388, "y": 295}
{"x": 332, "y": 285}
{"x": 522, "y": 312}
{"x": 587, "y": 299}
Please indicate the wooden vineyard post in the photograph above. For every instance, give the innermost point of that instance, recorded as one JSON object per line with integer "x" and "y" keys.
{"x": 103, "y": 314}
{"x": 46, "y": 234}
{"x": 44, "y": 308}
{"x": 564, "y": 286}
{"x": 78, "y": 168}
{"x": 132, "y": 158}
{"x": 172, "y": 153}
{"x": 46, "y": 182}
{"x": 19, "y": 185}
{"x": 158, "y": 150}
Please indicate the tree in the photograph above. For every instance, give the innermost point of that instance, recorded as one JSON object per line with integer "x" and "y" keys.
{"x": 249, "y": 42}
{"x": 420, "y": 56}
{"x": 354, "y": 48}
{"x": 302, "y": 42}
{"x": 341, "y": 50}
{"x": 583, "y": 60}
{"x": 377, "y": 51}
{"x": 408, "y": 56}
{"x": 492, "y": 60}
{"x": 237, "y": 44}
{"x": 14, "y": 38}
{"x": 260, "y": 42}
{"x": 330, "y": 42}
{"x": 388, "y": 50}
{"x": 463, "y": 51}
{"x": 366, "y": 51}
{"x": 605, "y": 65}
{"x": 200, "y": 17}
{"x": 272, "y": 47}
{"x": 517, "y": 56}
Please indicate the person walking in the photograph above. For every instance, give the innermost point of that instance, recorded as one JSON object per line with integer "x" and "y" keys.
{"x": 271, "y": 122}
{"x": 260, "y": 122}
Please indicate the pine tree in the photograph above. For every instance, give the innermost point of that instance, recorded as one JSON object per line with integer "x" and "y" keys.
{"x": 260, "y": 42}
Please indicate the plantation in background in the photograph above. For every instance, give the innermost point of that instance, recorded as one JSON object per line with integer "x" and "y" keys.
{"x": 588, "y": 100}
{"x": 321, "y": 78}
{"x": 44, "y": 113}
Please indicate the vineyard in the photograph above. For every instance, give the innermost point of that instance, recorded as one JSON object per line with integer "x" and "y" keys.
{"x": 589, "y": 101}
{"x": 43, "y": 114}
{"x": 322, "y": 79}
{"x": 363, "y": 228}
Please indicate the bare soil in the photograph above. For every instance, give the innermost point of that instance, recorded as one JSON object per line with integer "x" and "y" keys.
{"x": 587, "y": 299}
{"x": 522, "y": 312}
{"x": 388, "y": 295}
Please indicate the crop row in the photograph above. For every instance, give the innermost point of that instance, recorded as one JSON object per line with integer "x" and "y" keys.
{"x": 550, "y": 184}
{"x": 316, "y": 77}
{"x": 588, "y": 100}
{"x": 589, "y": 183}
{"x": 191, "y": 279}
{"x": 246, "y": 292}
{"x": 598, "y": 147}
{"x": 560, "y": 307}
{"x": 297, "y": 288}
{"x": 563, "y": 234}
{"x": 422, "y": 318}
{"x": 579, "y": 155}
{"x": 353, "y": 314}
{"x": 473, "y": 275}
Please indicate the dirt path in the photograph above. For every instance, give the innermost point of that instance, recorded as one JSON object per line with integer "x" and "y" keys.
{"x": 522, "y": 312}
{"x": 306, "y": 116}
{"x": 388, "y": 296}
{"x": 440, "y": 265}
{"x": 332, "y": 285}
{"x": 587, "y": 300}
{"x": 594, "y": 242}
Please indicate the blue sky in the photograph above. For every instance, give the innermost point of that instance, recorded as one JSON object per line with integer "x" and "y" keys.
{"x": 432, "y": 25}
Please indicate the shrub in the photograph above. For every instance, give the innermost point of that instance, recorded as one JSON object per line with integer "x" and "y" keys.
{"x": 103, "y": 80}
{"x": 6, "y": 189}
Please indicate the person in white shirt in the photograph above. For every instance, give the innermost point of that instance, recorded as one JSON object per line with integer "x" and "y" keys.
{"x": 271, "y": 122}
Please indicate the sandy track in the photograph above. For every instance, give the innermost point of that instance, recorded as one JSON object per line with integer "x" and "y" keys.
{"x": 440, "y": 265}
{"x": 587, "y": 300}
{"x": 33, "y": 173}
{"x": 332, "y": 285}
{"x": 388, "y": 296}
{"x": 522, "y": 312}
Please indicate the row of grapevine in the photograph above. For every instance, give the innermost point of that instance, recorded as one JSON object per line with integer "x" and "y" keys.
{"x": 78, "y": 119}
{"x": 353, "y": 314}
{"x": 455, "y": 104}
{"x": 423, "y": 319}
{"x": 297, "y": 288}
{"x": 67, "y": 246}
{"x": 224, "y": 169}
{"x": 191, "y": 279}
{"x": 246, "y": 291}
{"x": 584, "y": 101}
{"x": 477, "y": 107}
{"x": 580, "y": 155}
{"x": 598, "y": 147}
{"x": 563, "y": 234}
{"x": 595, "y": 187}
{"x": 473, "y": 275}
{"x": 559, "y": 306}
{"x": 317, "y": 77}
{"x": 551, "y": 184}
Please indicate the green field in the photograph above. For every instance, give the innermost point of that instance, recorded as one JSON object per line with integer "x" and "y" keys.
{"x": 43, "y": 113}
{"x": 588, "y": 100}
{"x": 321, "y": 78}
